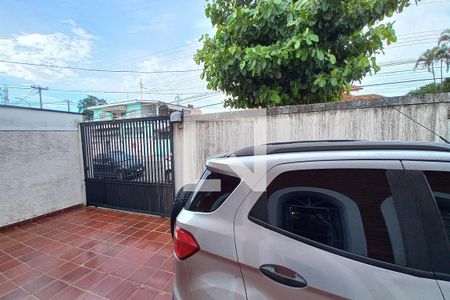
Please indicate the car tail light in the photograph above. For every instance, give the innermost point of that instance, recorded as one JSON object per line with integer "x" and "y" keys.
{"x": 185, "y": 243}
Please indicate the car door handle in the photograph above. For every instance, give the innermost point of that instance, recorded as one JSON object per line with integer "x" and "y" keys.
{"x": 283, "y": 275}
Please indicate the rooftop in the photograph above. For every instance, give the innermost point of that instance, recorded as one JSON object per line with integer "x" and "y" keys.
{"x": 143, "y": 102}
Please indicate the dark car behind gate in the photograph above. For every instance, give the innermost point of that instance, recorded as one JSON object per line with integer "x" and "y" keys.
{"x": 128, "y": 164}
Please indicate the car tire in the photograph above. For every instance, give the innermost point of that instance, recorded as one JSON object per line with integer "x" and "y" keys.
{"x": 178, "y": 203}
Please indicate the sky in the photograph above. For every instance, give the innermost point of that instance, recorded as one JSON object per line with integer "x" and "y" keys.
{"x": 149, "y": 36}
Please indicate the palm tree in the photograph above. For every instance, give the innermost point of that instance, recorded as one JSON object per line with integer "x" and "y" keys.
{"x": 443, "y": 52}
{"x": 445, "y": 37}
{"x": 426, "y": 60}
{"x": 442, "y": 55}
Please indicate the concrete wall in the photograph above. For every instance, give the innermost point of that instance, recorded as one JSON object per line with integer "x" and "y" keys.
{"x": 40, "y": 163}
{"x": 201, "y": 136}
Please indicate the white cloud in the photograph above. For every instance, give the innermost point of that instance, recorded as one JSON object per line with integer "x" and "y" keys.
{"x": 55, "y": 48}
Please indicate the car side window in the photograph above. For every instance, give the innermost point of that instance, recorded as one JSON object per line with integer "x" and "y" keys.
{"x": 212, "y": 190}
{"x": 347, "y": 209}
{"x": 439, "y": 183}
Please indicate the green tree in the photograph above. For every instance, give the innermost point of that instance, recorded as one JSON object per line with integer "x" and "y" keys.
{"x": 432, "y": 88}
{"x": 444, "y": 37}
{"x": 444, "y": 52}
{"x": 281, "y": 52}
{"x": 440, "y": 54}
{"x": 89, "y": 101}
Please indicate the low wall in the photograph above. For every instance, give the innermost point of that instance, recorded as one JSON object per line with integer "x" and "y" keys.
{"x": 40, "y": 161}
{"x": 201, "y": 136}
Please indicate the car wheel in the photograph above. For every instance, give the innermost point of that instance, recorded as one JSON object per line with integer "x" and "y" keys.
{"x": 178, "y": 203}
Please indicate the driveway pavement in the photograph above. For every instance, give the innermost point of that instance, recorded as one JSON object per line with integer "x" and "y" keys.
{"x": 87, "y": 253}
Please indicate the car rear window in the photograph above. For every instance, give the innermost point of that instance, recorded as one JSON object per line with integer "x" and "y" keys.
{"x": 211, "y": 191}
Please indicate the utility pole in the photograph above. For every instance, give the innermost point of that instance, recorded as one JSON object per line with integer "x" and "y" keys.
{"x": 40, "y": 89}
{"x": 141, "y": 86}
{"x": 68, "y": 106}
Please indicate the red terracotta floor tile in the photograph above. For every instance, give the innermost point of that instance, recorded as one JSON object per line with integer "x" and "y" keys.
{"x": 148, "y": 246}
{"x": 83, "y": 257}
{"x": 155, "y": 261}
{"x": 83, "y": 254}
{"x": 96, "y": 262}
{"x": 75, "y": 275}
{"x": 50, "y": 264}
{"x": 159, "y": 279}
{"x": 136, "y": 256}
{"x": 27, "y": 277}
{"x": 122, "y": 291}
{"x": 62, "y": 269}
{"x": 90, "y": 280}
{"x": 40, "y": 260}
{"x": 81, "y": 240}
{"x": 89, "y": 296}
{"x": 166, "y": 250}
{"x": 169, "y": 286}
{"x": 142, "y": 274}
{"x": 17, "y": 271}
{"x": 143, "y": 294}
{"x": 7, "y": 287}
{"x": 162, "y": 296}
{"x": 3, "y": 279}
{"x": 5, "y": 258}
{"x": 116, "y": 238}
{"x": 29, "y": 256}
{"x": 7, "y": 243}
{"x": 70, "y": 252}
{"x": 16, "y": 294}
{"x": 20, "y": 252}
{"x": 105, "y": 286}
{"x": 140, "y": 233}
{"x": 129, "y": 241}
{"x": 140, "y": 224}
{"x": 114, "y": 250}
{"x": 70, "y": 292}
{"x": 9, "y": 265}
{"x": 169, "y": 265}
{"x": 164, "y": 237}
{"x": 125, "y": 270}
{"x": 51, "y": 290}
{"x": 38, "y": 283}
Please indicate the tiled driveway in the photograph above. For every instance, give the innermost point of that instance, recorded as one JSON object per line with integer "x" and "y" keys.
{"x": 87, "y": 253}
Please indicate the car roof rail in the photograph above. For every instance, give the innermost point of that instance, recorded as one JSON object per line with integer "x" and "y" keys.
{"x": 338, "y": 145}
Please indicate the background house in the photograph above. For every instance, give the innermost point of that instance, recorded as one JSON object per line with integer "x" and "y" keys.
{"x": 135, "y": 108}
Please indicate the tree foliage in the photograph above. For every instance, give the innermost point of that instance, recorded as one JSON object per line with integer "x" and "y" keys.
{"x": 439, "y": 53}
{"x": 89, "y": 101}
{"x": 281, "y": 52}
{"x": 432, "y": 88}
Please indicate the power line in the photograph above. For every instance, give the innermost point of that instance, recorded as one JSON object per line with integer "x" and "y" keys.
{"x": 397, "y": 82}
{"x": 104, "y": 91}
{"x": 97, "y": 70}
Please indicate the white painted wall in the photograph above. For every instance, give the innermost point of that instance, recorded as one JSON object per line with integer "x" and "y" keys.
{"x": 202, "y": 136}
{"x": 40, "y": 163}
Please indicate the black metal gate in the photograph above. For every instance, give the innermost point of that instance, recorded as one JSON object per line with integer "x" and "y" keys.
{"x": 128, "y": 164}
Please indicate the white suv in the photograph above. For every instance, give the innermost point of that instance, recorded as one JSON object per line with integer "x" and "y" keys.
{"x": 355, "y": 220}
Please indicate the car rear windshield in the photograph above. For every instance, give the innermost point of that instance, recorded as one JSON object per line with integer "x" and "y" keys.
{"x": 211, "y": 191}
